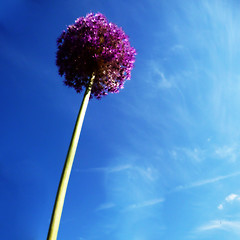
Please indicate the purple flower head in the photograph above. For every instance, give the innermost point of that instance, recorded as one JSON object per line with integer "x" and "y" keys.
{"x": 90, "y": 46}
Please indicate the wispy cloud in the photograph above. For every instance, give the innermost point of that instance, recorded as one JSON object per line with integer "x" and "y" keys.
{"x": 146, "y": 203}
{"x": 229, "y": 199}
{"x": 163, "y": 82}
{"x": 231, "y": 226}
{"x": 232, "y": 197}
{"x": 199, "y": 154}
{"x": 158, "y": 77}
{"x": 119, "y": 168}
{"x": 195, "y": 154}
{"x": 205, "y": 181}
{"x": 220, "y": 206}
{"x": 110, "y": 169}
{"x": 148, "y": 173}
{"x": 216, "y": 224}
{"x": 105, "y": 206}
{"x": 228, "y": 152}
{"x": 177, "y": 47}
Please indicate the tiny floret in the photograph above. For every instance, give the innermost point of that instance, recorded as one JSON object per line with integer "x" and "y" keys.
{"x": 90, "y": 46}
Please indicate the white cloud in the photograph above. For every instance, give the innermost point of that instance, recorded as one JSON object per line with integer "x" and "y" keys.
{"x": 119, "y": 168}
{"x": 146, "y": 203}
{"x": 106, "y": 206}
{"x": 206, "y": 181}
{"x": 194, "y": 154}
{"x": 225, "y": 225}
{"x": 216, "y": 224}
{"x": 163, "y": 82}
{"x": 112, "y": 169}
{"x": 231, "y": 197}
{"x": 158, "y": 77}
{"x": 148, "y": 173}
{"x": 228, "y": 152}
{"x": 220, "y": 206}
{"x": 177, "y": 48}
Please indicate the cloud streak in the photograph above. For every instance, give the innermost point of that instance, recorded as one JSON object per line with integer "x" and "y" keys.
{"x": 113, "y": 169}
{"x": 148, "y": 173}
{"x": 148, "y": 203}
{"x": 227, "y": 152}
{"x": 206, "y": 181}
{"x": 106, "y": 206}
{"x": 158, "y": 77}
{"x": 225, "y": 225}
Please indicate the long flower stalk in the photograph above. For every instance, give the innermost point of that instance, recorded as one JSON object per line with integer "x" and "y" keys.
{"x": 91, "y": 48}
{"x": 62, "y": 188}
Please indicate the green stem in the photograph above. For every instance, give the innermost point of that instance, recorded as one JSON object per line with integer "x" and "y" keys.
{"x": 62, "y": 188}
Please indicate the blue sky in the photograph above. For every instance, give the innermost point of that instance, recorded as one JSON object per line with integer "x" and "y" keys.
{"x": 159, "y": 160}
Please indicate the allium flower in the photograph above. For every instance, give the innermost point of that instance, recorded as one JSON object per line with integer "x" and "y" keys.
{"x": 93, "y": 46}
{"x": 96, "y": 55}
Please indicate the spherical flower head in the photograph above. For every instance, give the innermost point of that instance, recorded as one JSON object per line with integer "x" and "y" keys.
{"x": 90, "y": 46}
